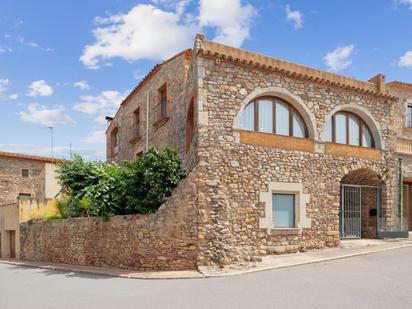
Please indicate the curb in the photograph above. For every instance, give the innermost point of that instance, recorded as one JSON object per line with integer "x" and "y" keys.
{"x": 320, "y": 260}
{"x": 169, "y": 275}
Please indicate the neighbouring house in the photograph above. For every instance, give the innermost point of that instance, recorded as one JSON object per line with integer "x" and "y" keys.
{"x": 27, "y": 184}
{"x": 280, "y": 158}
{"x": 285, "y": 157}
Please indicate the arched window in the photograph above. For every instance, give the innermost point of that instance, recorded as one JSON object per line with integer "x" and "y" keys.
{"x": 348, "y": 128}
{"x": 273, "y": 115}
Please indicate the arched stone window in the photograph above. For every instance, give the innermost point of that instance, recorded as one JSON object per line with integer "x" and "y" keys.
{"x": 273, "y": 115}
{"x": 348, "y": 128}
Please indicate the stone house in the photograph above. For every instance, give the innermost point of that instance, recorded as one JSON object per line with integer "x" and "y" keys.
{"x": 281, "y": 157}
{"x": 25, "y": 180}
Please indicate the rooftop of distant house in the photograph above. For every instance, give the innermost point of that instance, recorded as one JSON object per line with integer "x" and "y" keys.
{"x": 29, "y": 157}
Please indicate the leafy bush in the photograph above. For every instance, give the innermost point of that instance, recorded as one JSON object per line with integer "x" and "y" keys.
{"x": 150, "y": 181}
{"x": 105, "y": 189}
{"x": 52, "y": 217}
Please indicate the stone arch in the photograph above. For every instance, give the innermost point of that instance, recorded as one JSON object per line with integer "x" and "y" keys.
{"x": 288, "y": 96}
{"x": 360, "y": 202}
{"x": 365, "y": 115}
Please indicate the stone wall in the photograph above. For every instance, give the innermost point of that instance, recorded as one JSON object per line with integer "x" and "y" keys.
{"x": 165, "y": 240}
{"x": 174, "y": 74}
{"x": 12, "y": 183}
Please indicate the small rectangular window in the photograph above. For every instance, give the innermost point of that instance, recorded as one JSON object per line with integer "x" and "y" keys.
{"x": 24, "y": 195}
{"x": 283, "y": 210}
{"x": 25, "y": 172}
{"x": 409, "y": 116}
{"x": 163, "y": 100}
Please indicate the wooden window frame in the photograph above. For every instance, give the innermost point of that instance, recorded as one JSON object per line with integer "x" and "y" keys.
{"x": 291, "y": 111}
{"x": 361, "y": 123}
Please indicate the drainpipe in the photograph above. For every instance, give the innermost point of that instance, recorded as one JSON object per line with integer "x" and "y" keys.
{"x": 400, "y": 188}
{"x": 147, "y": 121}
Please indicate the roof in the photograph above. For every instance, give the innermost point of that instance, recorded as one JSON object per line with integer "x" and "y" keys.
{"x": 228, "y": 53}
{"x": 20, "y": 156}
{"x": 153, "y": 71}
{"x": 400, "y": 85}
{"x": 187, "y": 53}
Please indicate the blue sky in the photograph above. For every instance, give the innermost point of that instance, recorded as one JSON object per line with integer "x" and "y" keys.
{"x": 70, "y": 63}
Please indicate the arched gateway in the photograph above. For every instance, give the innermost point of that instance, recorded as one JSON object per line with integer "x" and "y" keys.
{"x": 360, "y": 204}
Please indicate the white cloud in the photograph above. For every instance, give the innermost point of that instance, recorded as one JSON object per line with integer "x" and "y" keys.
{"x": 82, "y": 85}
{"x": 39, "y": 88}
{"x": 407, "y": 2}
{"x": 340, "y": 58}
{"x": 36, "y": 113}
{"x": 4, "y": 85}
{"x": 101, "y": 105}
{"x": 406, "y": 60}
{"x": 13, "y": 96}
{"x": 230, "y": 18}
{"x": 149, "y": 32}
{"x": 95, "y": 137}
{"x": 24, "y": 42}
{"x": 145, "y": 32}
{"x": 5, "y": 49}
{"x": 294, "y": 16}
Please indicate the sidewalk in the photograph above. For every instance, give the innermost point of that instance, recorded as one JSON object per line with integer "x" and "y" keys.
{"x": 348, "y": 248}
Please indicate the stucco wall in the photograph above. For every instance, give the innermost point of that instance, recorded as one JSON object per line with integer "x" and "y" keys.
{"x": 166, "y": 240}
{"x": 9, "y": 221}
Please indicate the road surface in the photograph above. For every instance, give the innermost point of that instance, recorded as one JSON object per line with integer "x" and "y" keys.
{"x": 380, "y": 280}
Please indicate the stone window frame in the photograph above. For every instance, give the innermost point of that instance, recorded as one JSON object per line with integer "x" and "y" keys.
{"x": 24, "y": 172}
{"x": 276, "y": 100}
{"x": 291, "y": 98}
{"x": 361, "y": 124}
{"x": 366, "y": 116}
{"x": 301, "y": 199}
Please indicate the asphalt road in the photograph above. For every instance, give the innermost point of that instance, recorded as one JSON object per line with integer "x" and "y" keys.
{"x": 380, "y": 280}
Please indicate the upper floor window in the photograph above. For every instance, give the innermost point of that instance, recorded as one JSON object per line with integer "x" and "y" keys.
{"x": 113, "y": 140}
{"x": 25, "y": 172}
{"x": 161, "y": 110}
{"x": 190, "y": 123}
{"x": 409, "y": 116}
{"x": 273, "y": 115}
{"x": 348, "y": 128}
{"x": 136, "y": 128}
{"x": 163, "y": 100}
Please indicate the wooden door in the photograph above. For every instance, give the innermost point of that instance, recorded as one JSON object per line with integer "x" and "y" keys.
{"x": 12, "y": 244}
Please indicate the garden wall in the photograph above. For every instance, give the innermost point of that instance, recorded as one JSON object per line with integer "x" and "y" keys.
{"x": 166, "y": 240}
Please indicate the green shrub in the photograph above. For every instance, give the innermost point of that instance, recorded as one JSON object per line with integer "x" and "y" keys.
{"x": 149, "y": 181}
{"x": 52, "y": 217}
{"x": 105, "y": 189}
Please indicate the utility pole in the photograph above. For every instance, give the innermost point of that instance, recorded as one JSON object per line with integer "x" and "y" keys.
{"x": 52, "y": 142}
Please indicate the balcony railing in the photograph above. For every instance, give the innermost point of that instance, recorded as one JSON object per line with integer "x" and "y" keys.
{"x": 161, "y": 113}
{"x": 136, "y": 132}
{"x": 404, "y": 146}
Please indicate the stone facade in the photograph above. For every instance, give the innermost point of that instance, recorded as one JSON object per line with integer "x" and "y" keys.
{"x": 235, "y": 172}
{"x": 40, "y": 181}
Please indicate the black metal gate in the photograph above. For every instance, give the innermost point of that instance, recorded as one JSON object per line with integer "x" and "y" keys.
{"x": 350, "y": 216}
